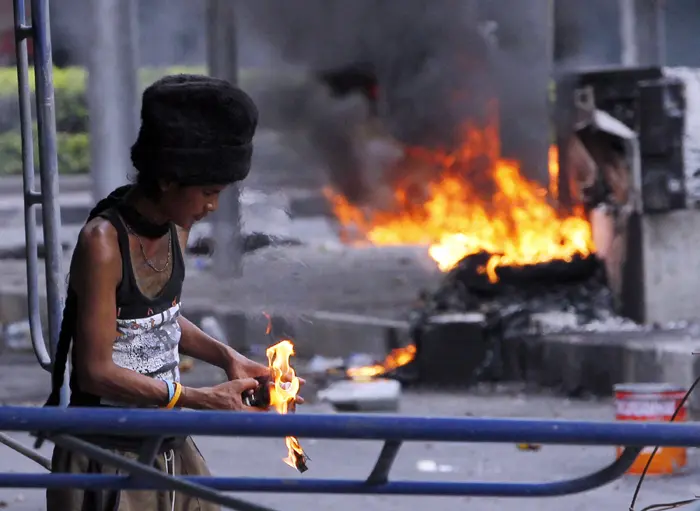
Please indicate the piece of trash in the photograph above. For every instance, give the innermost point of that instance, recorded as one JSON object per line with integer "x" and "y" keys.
{"x": 432, "y": 466}
{"x": 17, "y": 335}
{"x": 211, "y": 326}
{"x": 354, "y": 396}
{"x": 529, "y": 447}
{"x": 186, "y": 364}
{"x": 319, "y": 364}
{"x": 427, "y": 466}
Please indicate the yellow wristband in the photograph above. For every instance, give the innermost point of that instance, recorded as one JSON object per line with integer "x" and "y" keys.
{"x": 176, "y": 396}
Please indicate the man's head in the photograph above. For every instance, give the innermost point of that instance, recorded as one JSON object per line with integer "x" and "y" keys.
{"x": 195, "y": 139}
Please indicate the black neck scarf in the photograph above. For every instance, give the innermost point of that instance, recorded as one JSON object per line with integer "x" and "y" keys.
{"x": 141, "y": 225}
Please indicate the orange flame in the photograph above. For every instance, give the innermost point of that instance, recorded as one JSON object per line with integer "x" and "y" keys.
{"x": 397, "y": 358}
{"x": 471, "y": 201}
{"x": 284, "y": 392}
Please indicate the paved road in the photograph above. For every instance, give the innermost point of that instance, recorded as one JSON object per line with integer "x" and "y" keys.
{"x": 350, "y": 459}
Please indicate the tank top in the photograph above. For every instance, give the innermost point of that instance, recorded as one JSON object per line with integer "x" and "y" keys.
{"x": 148, "y": 331}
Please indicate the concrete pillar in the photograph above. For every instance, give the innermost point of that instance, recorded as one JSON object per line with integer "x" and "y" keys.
{"x": 222, "y": 60}
{"x": 112, "y": 92}
{"x": 642, "y": 32}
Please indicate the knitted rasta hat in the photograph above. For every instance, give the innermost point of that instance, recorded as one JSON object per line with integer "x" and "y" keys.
{"x": 195, "y": 130}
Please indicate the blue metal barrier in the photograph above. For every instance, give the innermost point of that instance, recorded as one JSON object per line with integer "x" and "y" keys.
{"x": 60, "y": 425}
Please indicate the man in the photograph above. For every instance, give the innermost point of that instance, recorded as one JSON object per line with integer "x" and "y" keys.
{"x": 122, "y": 312}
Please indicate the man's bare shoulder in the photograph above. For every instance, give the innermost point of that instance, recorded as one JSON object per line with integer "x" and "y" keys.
{"x": 98, "y": 243}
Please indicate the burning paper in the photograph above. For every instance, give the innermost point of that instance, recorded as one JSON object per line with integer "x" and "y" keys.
{"x": 283, "y": 395}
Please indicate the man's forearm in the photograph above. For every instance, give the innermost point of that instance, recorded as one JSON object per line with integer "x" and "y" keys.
{"x": 197, "y": 344}
{"x": 125, "y": 385}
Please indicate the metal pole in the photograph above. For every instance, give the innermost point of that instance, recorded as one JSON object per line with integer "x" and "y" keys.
{"x": 222, "y": 59}
{"x": 48, "y": 169}
{"x": 643, "y": 32}
{"x": 628, "y": 32}
{"x": 112, "y": 93}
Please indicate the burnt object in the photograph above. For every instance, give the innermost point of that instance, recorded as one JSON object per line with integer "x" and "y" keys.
{"x": 452, "y": 349}
{"x": 464, "y": 329}
{"x": 259, "y": 397}
{"x": 300, "y": 462}
{"x": 652, "y": 104}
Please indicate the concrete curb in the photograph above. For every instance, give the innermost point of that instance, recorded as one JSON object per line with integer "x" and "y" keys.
{"x": 580, "y": 364}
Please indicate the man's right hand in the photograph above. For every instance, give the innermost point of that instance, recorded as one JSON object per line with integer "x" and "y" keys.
{"x": 229, "y": 395}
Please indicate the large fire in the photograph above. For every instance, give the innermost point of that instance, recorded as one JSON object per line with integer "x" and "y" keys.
{"x": 283, "y": 395}
{"x": 469, "y": 201}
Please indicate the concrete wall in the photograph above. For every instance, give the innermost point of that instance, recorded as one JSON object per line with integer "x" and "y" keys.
{"x": 670, "y": 250}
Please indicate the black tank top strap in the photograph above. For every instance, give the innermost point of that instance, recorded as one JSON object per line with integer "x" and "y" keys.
{"x": 178, "y": 258}
{"x": 125, "y": 288}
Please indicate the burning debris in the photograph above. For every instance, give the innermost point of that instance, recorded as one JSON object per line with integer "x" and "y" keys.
{"x": 509, "y": 250}
{"x": 397, "y": 358}
{"x": 283, "y": 395}
{"x": 282, "y": 392}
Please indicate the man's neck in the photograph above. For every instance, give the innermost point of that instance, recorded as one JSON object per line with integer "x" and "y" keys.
{"x": 146, "y": 207}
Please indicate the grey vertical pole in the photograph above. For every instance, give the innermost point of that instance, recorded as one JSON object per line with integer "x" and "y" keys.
{"x": 222, "y": 59}
{"x": 643, "y": 32}
{"x": 112, "y": 92}
{"x": 48, "y": 169}
{"x": 628, "y": 32}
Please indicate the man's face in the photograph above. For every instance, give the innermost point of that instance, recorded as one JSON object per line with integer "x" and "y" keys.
{"x": 186, "y": 205}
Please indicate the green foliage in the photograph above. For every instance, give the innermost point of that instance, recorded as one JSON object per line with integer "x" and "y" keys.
{"x": 71, "y": 117}
{"x": 73, "y": 153}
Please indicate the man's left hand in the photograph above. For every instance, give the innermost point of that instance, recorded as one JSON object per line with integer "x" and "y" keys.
{"x": 242, "y": 367}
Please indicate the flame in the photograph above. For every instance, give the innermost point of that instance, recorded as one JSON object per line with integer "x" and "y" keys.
{"x": 553, "y": 164}
{"x": 474, "y": 202}
{"x": 284, "y": 392}
{"x": 397, "y": 358}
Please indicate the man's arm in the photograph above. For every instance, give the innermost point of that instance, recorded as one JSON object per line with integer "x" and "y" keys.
{"x": 95, "y": 276}
{"x": 197, "y": 344}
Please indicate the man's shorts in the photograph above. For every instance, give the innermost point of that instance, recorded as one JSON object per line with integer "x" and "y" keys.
{"x": 185, "y": 460}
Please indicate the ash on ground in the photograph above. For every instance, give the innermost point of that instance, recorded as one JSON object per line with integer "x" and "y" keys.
{"x": 556, "y": 296}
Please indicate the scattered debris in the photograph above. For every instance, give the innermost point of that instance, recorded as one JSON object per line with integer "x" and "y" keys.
{"x": 17, "y": 336}
{"x": 355, "y": 396}
{"x": 204, "y": 245}
{"x": 186, "y": 364}
{"x": 432, "y": 466}
{"x": 516, "y": 301}
{"x": 321, "y": 365}
{"x": 529, "y": 447}
{"x": 211, "y": 326}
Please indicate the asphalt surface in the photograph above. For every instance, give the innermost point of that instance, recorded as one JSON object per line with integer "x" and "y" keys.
{"x": 457, "y": 462}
